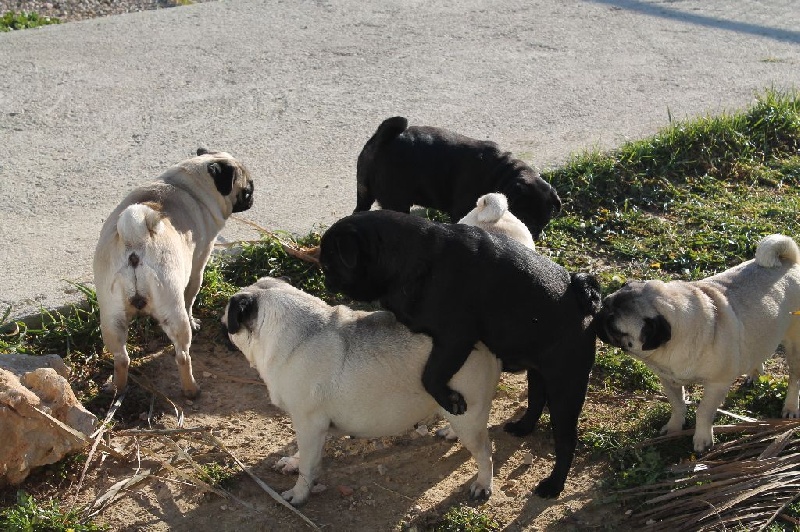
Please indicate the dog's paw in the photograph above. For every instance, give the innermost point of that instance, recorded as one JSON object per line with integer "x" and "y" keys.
{"x": 287, "y": 465}
{"x": 703, "y": 440}
{"x": 194, "y": 323}
{"x": 478, "y": 491}
{"x": 790, "y": 412}
{"x": 672, "y": 426}
{"x": 519, "y": 428}
{"x": 447, "y": 433}
{"x": 192, "y": 392}
{"x": 549, "y": 488}
{"x": 294, "y": 498}
{"x": 454, "y": 403}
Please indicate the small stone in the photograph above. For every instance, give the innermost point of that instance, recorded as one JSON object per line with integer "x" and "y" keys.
{"x": 422, "y": 430}
{"x": 189, "y": 402}
{"x": 527, "y": 458}
{"x": 223, "y": 507}
{"x": 381, "y": 469}
{"x": 207, "y": 374}
{"x": 319, "y": 488}
{"x": 345, "y": 491}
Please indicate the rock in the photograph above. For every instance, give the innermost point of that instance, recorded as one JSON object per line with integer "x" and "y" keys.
{"x": 345, "y": 491}
{"x": 57, "y": 395}
{"x": 22, "y": 364}
{"x": 41, "y": 422}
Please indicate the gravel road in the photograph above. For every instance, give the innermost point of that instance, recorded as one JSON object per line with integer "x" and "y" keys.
{"x": 95, "y": 107}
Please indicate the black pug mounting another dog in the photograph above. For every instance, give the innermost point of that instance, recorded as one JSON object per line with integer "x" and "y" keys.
{"x": 402, "y": 166}
{"x": 461, "y": 285}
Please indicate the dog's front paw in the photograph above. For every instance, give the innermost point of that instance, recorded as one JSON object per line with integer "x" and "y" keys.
{"x": 453, "y": 402}
{"x": 287, "y": 465}
{"x": 703, "y": 440}
{"x": 447, "y": 433}
{"x": 194, "y": 323}
{"x": 519, "y": 428}
{"x": 673, "y": 425}
{"x": 549, "y": 488}
{"x": 478, "y": 491}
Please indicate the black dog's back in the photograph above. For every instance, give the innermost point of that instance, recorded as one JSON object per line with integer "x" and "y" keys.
{"x": 401, "y": 166}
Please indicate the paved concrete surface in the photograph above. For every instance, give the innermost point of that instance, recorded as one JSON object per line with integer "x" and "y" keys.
{"x": 90, "y": 109}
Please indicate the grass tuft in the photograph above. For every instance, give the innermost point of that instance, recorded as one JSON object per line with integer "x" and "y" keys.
{"x": 12, "y": 20}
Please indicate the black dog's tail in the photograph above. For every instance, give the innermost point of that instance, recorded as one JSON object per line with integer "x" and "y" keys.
{"x": 587, "y": 289}
{"x": 388, "y": 130}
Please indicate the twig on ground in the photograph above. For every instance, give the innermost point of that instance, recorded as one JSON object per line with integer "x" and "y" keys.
{"x": 307, "y": 255}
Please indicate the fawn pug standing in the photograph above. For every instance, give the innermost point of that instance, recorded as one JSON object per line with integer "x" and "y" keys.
{"x": 712, "y": 330}
{"x": 154, "y": 247}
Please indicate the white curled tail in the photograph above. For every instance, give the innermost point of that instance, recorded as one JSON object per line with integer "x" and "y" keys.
{"x": 774, "y": 249}
{"x": 491, "y": 207}
{"x": 138, "y": 223}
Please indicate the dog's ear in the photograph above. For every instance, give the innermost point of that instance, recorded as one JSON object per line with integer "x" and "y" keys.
{"x": 242, "y": 309}
{"x": 655, "y": 332}
{"x": 223, "y": 173}
{"x": 346, "y": 246}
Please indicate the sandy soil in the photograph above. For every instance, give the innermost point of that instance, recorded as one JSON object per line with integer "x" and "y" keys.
{"x": 405, "y": 482}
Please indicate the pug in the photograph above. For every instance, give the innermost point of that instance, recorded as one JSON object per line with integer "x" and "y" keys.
{"x": 463, "y": 285}
{"x": 491, "y": 214}
{"x": 401, "y": 166}
{"x": 154, "y": 247}
{"x": 351, "y": 372}
{"x": 713, "y": 330}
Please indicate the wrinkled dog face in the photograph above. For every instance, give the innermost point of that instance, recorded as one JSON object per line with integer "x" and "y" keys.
{"x": 230, "y": 177}
{"x": 241, "y": 318}
{"x": 629, "y": 320}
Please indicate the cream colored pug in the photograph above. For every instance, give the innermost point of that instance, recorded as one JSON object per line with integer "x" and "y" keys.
{"x": 713, "y": 330}
{"x": 154, "y": 247}
{"x": 351, "y": 372}
{"x": 491, "y": 214}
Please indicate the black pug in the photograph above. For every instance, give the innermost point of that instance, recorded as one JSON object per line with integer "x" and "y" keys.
{"x": 402, "y": 166}
{"x": 462, "y": 285}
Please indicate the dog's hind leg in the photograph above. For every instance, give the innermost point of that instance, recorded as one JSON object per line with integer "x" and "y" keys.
{"x": 114, "y": 328}
{"x": 791, "y": 406}
{"x": 364, "y": 198}
{"x": 537, "y": 399}
{"x": 565, "y": 402}
{"x": 310, "y": 441}
{"x": 473, "y": 434}
{"x": 176, "y": 325}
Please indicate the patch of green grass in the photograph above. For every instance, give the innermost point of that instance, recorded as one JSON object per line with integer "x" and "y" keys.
{"x": 219, "y": 475}
{"x": 691, "y": 200}
{"x": 466, "y": 519}
{"x": 12, "y": 20}
{"x": 623, "y": 372}
{"x": 31, "y": 516}
{"x": 764, "y": 397}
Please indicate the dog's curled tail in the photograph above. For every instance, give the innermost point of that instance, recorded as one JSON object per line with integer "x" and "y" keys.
{"x": 491, "y": 207}
{"x": 587, "y": 289}
{"x": 388, "y": 130}
{"x": 139, "y": 222}
{"x": 774, "y": 249}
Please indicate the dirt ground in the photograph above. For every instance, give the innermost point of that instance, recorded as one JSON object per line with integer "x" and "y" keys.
{"x": 404, "y": 482}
